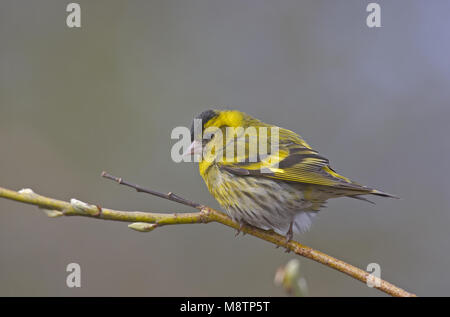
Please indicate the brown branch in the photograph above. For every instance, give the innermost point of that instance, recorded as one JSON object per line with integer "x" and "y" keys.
{"x": 146, "y": 221}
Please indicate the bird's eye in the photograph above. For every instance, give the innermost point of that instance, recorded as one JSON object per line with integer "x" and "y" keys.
{"x": 209, "y": 136}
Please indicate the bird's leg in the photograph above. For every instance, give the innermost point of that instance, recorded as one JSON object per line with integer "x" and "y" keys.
{"x": 289, "y": 235}
{"x": 238, "y": 230}
{"x": 242, "y": 224}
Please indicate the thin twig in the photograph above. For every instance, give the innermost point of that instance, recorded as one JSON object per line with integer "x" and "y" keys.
{"x": 147, "y": 221}
{"x": 169, "y": 196}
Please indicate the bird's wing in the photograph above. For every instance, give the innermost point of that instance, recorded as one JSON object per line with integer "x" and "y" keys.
{"x": 295, "y": 161}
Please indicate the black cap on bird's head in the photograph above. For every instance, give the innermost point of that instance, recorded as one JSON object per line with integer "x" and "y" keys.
{"x": 204, "y": 116}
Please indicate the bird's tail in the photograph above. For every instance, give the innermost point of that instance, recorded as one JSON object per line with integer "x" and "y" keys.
{"x": 372, "y": 192}
{"x": 383, "y": 194}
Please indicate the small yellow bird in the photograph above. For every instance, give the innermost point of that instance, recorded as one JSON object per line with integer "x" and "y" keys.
{"x": 263, "y": 175}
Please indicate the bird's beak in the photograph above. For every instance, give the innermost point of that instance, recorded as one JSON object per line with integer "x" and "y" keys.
{"x": 195, "y": 148}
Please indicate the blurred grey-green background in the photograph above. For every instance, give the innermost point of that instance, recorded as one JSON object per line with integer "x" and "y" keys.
{"x": 75, "y": 102}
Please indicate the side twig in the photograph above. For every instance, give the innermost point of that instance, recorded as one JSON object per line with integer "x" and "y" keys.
{"x": 148, "y": 221}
